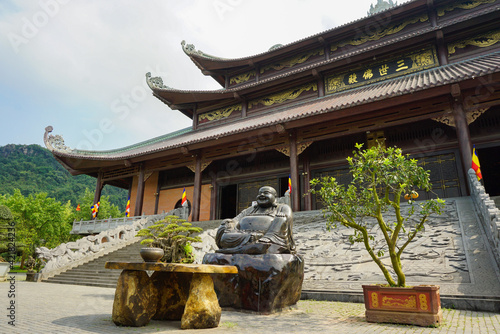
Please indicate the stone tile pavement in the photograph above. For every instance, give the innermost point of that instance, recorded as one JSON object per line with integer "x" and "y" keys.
{"x": 56, "y": 308}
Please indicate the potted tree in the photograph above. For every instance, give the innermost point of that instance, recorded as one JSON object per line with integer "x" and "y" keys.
{"x": 6, "y": 239}
{"x": 382, "y": 178}
{"x": 32, "y": 269}
{"x": 169, "y": 240}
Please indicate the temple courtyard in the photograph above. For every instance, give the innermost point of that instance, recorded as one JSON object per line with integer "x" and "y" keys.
{"x": 59, "y": 308}
{"x": 453, "y": 253}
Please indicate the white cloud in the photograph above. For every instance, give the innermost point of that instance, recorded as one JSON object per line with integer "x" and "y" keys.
{"x": 72, "y": 67}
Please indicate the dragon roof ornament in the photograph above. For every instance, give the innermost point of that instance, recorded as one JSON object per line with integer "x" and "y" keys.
{"x": 55, "y": 143}
{"x": 155, "y": 82}
{"x": 190, "y": 50}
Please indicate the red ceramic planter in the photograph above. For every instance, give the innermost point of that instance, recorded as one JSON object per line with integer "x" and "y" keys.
{"x": 418, "y": 305}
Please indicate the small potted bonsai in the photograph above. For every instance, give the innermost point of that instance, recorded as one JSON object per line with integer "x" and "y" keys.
{"x": 382, "y": 178}
{"x": 169, "y": 240}
{"x": 32, "y": 269}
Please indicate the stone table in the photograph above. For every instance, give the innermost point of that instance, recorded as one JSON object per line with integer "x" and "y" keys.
{"x": 173, "y": 292}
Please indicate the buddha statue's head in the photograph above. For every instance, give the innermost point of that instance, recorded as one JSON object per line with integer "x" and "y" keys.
{"x": 266, "y": 196}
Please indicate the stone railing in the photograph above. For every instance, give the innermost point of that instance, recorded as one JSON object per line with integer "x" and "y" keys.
{"x": 488, "y": 213}
{"x": 72, "y": 254}
{"x": 99, "y": 225}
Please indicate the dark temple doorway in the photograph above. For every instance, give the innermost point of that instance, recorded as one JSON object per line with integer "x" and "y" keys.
{"x": 489, "y": 160}
{"x": 228, "y": 199}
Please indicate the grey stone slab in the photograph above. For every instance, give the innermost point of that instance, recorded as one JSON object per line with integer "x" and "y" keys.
{"x": 452, "y": 252}
{"x": 52, "y": 308}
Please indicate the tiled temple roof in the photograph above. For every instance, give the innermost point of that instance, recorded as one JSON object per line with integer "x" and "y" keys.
{"x": 173, "y": 96}
{"x": 435, "y": 77}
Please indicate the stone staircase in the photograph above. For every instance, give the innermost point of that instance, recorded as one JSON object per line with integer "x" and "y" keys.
{"x": 93, "y": 273}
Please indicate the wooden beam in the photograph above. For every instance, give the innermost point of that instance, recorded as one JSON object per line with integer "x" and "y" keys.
{"x": 140, "y": 192}
{"x": 213, "y": 195}
{"x": 294, "y": 171}
{"x": 462, "y": 128}
{"x": 307, "y": 179}
{"x": 98, "y": 190}
{"x": 197, "y": 190}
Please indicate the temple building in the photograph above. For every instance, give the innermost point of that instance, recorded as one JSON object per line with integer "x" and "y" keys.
{"x": 423, "y": 76}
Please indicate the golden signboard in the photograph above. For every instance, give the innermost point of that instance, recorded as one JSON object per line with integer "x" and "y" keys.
{"x": 394, "y": 67}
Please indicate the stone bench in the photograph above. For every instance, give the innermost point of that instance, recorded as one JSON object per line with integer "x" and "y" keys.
{"x": 173, "y": 292}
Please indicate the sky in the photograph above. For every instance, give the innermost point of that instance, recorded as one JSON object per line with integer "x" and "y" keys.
{"x": 80, "y": 65}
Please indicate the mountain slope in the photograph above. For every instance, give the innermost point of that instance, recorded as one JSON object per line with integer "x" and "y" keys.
{"x": 33, "y": 169}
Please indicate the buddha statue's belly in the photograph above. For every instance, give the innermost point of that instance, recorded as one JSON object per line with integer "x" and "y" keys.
{"x": 255, "y": 223}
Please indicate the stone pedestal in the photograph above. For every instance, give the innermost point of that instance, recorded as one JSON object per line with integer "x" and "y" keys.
{"x": 173, "y": 293}
{"x": 265, "y": 283}
{"x": 135, "y": 299}
{"x": 202, "y": 308}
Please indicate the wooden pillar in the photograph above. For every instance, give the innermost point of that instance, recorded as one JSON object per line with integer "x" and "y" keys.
{"x": 307, "y": 180}
{"x": 294, "y": 171}
{"x": 140, "y": 192}
{"x": 98, "y": 189}
{"x": 213, "y": 196}
{"x": 157, "y": 194}
{"x": 197, "y": 190}
{"x": 462, "y": 128}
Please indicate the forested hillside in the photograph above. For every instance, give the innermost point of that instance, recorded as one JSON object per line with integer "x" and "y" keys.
{"x": 32, "y": 169}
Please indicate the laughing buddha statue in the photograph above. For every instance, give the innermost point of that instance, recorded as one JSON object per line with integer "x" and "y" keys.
{"x": 264, "y": 228}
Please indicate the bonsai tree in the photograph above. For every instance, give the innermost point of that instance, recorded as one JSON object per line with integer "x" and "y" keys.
{"x": 173, "y": 235}
{"x": 5, "y": 218}
{"x": 381, "y": 178}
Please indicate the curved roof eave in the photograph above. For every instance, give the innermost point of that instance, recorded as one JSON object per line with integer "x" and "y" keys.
{"x": 419, "y": 81}
{"x": 175, "y": 97}
{"x": 206, "y": 62}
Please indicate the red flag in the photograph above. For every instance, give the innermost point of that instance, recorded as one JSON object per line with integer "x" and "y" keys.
{"x": 127, "y": 209}
{"x": 475, "y": 164}
{"x": 184, "y": 198}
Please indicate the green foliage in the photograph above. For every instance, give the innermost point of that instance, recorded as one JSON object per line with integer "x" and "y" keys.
{"x": 380, "y": 177}
{"x": 5, "y": 214}
{"x": 33, "y": 169}
{"x": 173, "y": 238}
{"x": 106, "y": 208}
{"x": 6, "y": 222}
{"x": 39, "y": 220}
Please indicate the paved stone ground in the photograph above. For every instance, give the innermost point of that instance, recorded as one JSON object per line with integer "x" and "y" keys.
{"x": 55, "y": 308}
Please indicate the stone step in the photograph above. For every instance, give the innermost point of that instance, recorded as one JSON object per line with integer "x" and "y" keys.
{"x": 86, "y": 283}
{"x": 93, "y": 273}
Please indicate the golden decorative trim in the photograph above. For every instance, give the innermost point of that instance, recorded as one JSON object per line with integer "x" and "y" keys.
{"x": 410, "y": 302}
{"x": 464, "y": 4}
{"x": 204, "y": 165}
{"x": 282, "y": 96}
{"x": 218, "y": 114}
{"x": 423, "y": 302}
{"x": 300, "y": 148}
{"x": 471, "y": 116}
{"x": 482, "y": 41}
{"x": 375, "y": 300}
{"x": 375, "y": 138}
{"x": 392, "y": 29}
{"x": 292, "y": 61}
{"x": 244, "y": 77}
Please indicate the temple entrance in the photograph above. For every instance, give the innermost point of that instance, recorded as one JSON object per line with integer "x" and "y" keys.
{"x": 489, "y": 159}
{"x": 283, "y": 186}
{"x": 228, "y": 198}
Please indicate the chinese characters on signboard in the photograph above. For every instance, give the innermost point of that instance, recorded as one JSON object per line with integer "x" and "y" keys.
{"x": 381, "y": 71}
